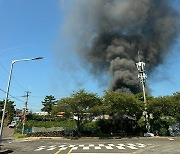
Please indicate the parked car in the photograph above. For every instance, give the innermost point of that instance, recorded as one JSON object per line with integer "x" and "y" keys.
{"x": 12, "y": 124}
{"x": 148, "y": 134}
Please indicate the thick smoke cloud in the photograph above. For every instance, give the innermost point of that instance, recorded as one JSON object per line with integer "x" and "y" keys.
{"x": 110, "y": 33}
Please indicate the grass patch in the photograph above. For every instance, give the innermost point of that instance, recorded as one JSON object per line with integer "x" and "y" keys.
{"x": 18, "y": 135}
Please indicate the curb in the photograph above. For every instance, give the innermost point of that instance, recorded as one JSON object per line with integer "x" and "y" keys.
{"x": 94, "y": 138}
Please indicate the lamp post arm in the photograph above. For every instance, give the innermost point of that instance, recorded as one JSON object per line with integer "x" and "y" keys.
{"x": 15, "y": 61}
{"x": 37, "y": 58}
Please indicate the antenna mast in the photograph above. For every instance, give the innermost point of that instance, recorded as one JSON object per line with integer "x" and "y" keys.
{"x": 142, "y": 76}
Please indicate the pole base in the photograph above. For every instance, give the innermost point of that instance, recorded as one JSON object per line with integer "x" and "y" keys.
{"x": 5, "y": 151}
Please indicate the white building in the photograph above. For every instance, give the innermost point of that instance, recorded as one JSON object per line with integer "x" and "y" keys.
{"x": 42, "y": 113}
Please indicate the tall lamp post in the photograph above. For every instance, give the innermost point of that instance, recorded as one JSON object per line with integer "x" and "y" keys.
{"x": 7, "y": 92}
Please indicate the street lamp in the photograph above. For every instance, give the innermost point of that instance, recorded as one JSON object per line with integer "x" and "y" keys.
{"x": 8, "y": 86}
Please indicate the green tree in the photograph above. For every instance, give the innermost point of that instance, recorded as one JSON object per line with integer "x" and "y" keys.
{"x": 165, "y": 110}
{"x": 48, "y": 103}
{"x": 176, "y": 105}
{"x": 10, "y": 110}
{"x": 125, "y": 110}
{"x": 63, "y": 106}
{"x": 82, "y": 105}
{"x": 120, "y": 104}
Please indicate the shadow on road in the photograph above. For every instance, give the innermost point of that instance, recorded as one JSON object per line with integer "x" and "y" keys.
{"x": 6, "y": 151}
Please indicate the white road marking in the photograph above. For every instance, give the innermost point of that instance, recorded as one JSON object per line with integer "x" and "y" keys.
{"x": 85, "y": 148}
{"x": 120, "y": 147}
{"x": 91, "y": 145}
{"x": 101, "y": 145}
{"x": 71, "y": 145}
{"x": 81, "y": 145}
{"x": 140, "y": 145}
{"x": 109, "y": 147}
{"x": 132, "y": 146}
{"x": 64, "y": 148}
{"x": 52, "y": 147}
{"x": 40, "y": 148}
{"x": 170, "y": 139}
{"x": 74, "y": 148}
{"x": 97, "y": 147}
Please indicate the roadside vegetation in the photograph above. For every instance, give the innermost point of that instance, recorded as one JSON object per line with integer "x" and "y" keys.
{"x": 113, "y": 114}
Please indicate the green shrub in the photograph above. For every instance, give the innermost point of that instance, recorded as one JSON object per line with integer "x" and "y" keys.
{"x": 48, "y": 124}
{"x": 91, "y": 128}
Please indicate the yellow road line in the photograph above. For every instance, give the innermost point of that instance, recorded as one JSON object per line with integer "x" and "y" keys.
{"x": 58, "y": 151}
{"x": 70, "y": 151}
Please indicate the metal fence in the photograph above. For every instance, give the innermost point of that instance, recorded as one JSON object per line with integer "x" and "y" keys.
{"x": 175, "y": 129}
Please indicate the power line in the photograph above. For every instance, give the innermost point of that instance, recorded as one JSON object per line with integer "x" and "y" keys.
{"x": 14, "y": 78}
{"x": 11, "y": 95}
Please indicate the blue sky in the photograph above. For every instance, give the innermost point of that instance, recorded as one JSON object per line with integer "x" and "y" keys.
{"x": 32, "y": 28}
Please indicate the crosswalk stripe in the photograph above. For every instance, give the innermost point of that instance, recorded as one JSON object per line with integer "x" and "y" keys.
{"x": 121, "y": 144}
{"x": 108, "y": 147}
{"x": 85, "y": 148}
{"x": 132, "y": 146}
{"x": 101, "y": 145}
{"x": 140, "y": 145}
{"x": 120, "y": 147}
{"x": 64, "y": 148}
{"x": 97, "y": 148}
{"x": 74, "y": 148}
{"x": 81, "y": 145}
{"x": 72, "y": 145}
{"x": 111, "y": 145}
{"x": 40, "y": 148}
{"x": 52, "y": 147}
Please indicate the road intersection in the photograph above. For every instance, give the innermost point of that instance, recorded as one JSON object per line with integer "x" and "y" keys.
{"x": 93, "y": 146}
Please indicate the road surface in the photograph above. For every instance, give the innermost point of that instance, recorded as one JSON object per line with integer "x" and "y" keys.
{"x": 92, "y": 146}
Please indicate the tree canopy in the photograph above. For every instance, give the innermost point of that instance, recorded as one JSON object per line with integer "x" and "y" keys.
{"x": 48, "y": 103}
{"x": 125, "y": 111}
{"x": 81, "y": 105}
{"x": 10, "y": 110}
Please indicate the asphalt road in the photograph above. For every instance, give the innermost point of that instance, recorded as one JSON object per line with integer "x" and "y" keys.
{"x": 7, "y": 132}
{"x": 92, "y": 146}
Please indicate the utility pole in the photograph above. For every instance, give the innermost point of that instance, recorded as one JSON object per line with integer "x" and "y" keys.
{"x": 25, "y": 110}
{"x": 142, "y": 76}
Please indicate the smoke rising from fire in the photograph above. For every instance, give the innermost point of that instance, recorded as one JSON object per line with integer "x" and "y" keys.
{"x": 110, "y": 32}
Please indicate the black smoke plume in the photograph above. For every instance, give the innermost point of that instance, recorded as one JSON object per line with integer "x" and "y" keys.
{"x": 110, "y": 33}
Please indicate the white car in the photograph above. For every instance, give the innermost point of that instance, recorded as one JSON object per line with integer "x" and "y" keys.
{"x": 12, "y": 124}
{"x": 148, "y": 134}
